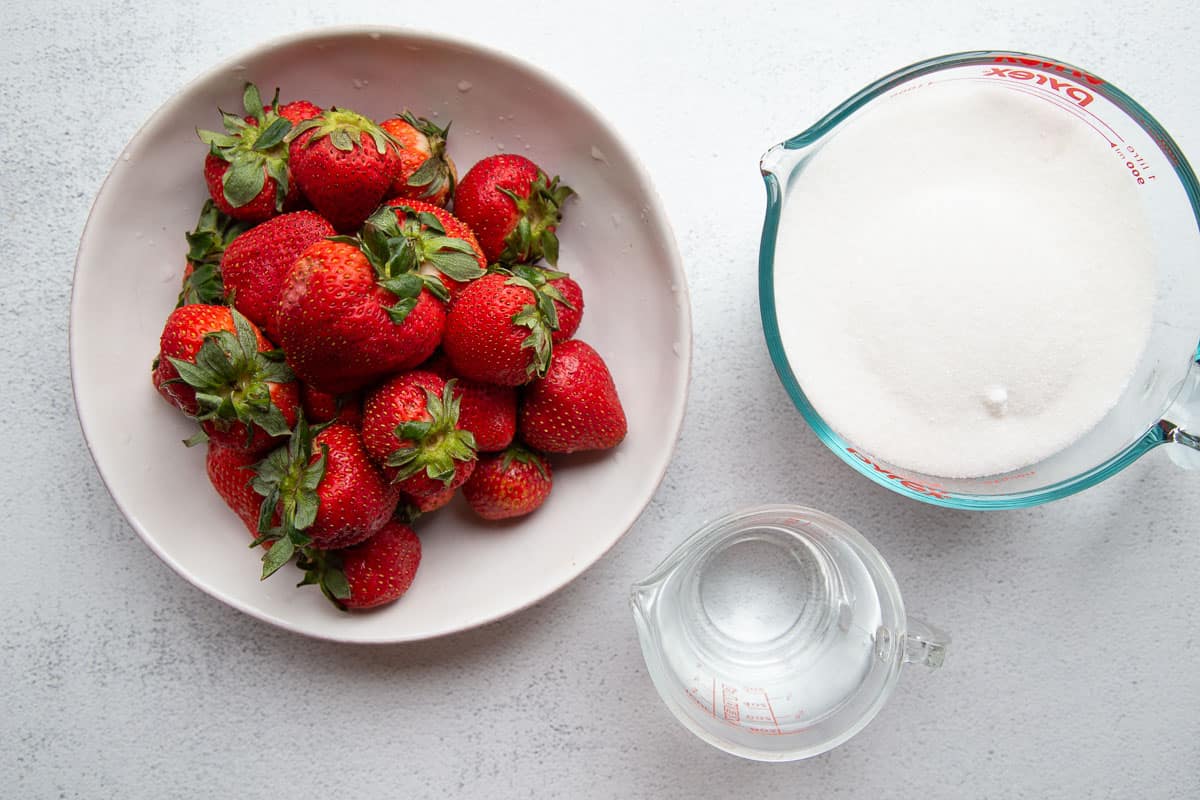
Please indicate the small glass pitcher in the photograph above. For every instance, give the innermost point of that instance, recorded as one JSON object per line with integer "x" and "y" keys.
{"x": 777, "y": 633}
{"x": 1161, "y": 402}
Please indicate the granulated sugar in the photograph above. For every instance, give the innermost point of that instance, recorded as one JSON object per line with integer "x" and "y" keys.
{"x": 964, "y": 280}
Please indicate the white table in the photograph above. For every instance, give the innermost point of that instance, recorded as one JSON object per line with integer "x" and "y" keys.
{"x": 1073, "y": 671}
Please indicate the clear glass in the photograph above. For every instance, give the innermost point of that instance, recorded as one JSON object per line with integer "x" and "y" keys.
{"x": 777, "y": 633}
{"x": 1163, "y": 395}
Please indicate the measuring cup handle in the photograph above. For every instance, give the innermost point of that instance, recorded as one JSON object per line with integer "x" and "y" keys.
{"x": 924, "y": 644}
{"x": 1181, "y": 425}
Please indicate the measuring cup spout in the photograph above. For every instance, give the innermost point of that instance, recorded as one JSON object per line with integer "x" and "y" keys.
{"x": 1181, "y": 424}
{"x": 775, "y": 161}
{"x": 925, "y": 644}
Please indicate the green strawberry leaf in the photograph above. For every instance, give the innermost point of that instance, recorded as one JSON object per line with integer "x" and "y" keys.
{"x": 334, "y": 582}
{"x": 457, "y": 266}
{"x": 280, "y": 553}
{"x": 429, "y": 170}
{"x": 414, "y": 430}
{"x": 550, "y": 247}
{"x": 407, "y": 285}
{"x": 273, "y": 135}
{"x": 435, "y": 286}
{"x": 252, "y": 101}
{"x": 340, "y": 139}
{"x": 243, "y": 180}
{"x": 400, "y": 311}
{"x": 431, "y": 222}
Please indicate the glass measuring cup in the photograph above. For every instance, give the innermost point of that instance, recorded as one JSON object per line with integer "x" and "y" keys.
{"x": 777, "y": 633}
{"x": 1160, "y": 403}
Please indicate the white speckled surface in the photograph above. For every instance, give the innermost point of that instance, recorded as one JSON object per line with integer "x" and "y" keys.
{"x": 1073, "y": 671}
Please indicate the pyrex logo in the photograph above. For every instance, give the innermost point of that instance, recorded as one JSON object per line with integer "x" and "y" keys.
{"x": 1075, "y": 93}
{"x": 908, "y": 483}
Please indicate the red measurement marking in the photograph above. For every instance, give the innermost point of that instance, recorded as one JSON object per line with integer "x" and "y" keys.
{"x": 729, "y": 704}
{"x": 714, "y": 698}
{"x": 771, "y": 711}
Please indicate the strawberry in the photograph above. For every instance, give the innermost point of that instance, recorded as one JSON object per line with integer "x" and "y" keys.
{"x": 217, "y": 367}
{"x": 500, "y": 327}
{"x": 428, "y": 503}
{"x": 344, "y": 164}
{"x": 247, "y": 166}
{"x": 213, "y": 233}
{"x": 325, "y": 407}
{"x": 570, "y": 310}
{"x": 439, "y": 244}
{"x": 230, "y": 470}
{"x": 296, "y": 111}
{"x": 426, "y": 171}
{"x": 575, "y": 406}
{"x": 509, "y": 484}
{"x": 370, "y": 574}
{"x": 513, "y": 208}
{"x": 255, "y": 265}
{"x": 325, "y": 490}
{"x": 488, "y": 411}
{"x": 348, "y": 315}
{"x": 410, "y": 427}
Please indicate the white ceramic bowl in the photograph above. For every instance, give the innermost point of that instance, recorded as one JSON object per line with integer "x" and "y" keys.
{"x": 616, "y": 242}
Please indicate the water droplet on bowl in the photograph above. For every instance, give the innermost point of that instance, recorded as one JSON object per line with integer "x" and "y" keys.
{"x": 598, "y": 154}
{"x": 435, "y": 113}
{"x": 676, "y": 348}
{"x": 499, "y": 145}
{"x": 375, "y": 35}
{"x": 126, "y": 157}
{"x": 616, "y": 220}
{"x": 359, "y": 83}
{"x": 464, "y": 86}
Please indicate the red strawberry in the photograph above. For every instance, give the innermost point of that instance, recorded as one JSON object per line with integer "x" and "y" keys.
{"x": 428, "y": 503}
{"x": 230, "y": 470}
{"x": 255, "y": 266}
{"x": 344, "y": 164}
{"x": 215, "y": 365}
{"x": 500, "y": 327}
{"x": 509, "y": 484}
{"x": 410, "y": 427}
{"x": 575, "y": 407}
{"x": 325, "y": 490}
{"x": 439, "y": 245}
{"x": 370, "y": 574}
{"x": 213, "y": 233}
{"x": 486, "y": 410}
{"x": 247, "y": 166}
{"x": 513, "y": 208}
{"x": 298, "y": 111}
{"x": 347, "y": 316}
{"x": 325, "y": 407}
{"x": 426, "y": 171}
{"x": 570, "y": 310}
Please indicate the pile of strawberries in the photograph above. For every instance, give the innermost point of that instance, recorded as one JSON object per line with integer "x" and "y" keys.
{"x": 354, "y": 353}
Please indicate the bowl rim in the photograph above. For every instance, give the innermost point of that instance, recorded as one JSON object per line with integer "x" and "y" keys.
{"x": 843, "y": 449}
{"x": 655, "y": 213}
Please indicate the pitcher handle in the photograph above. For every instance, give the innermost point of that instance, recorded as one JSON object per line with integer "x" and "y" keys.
{"x": 1181, "y": 425}
{"x": 925, "y": 644}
